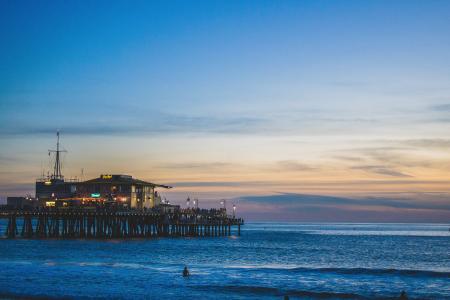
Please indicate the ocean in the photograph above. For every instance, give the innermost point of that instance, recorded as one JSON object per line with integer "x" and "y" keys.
{"x": 268, "y": 261}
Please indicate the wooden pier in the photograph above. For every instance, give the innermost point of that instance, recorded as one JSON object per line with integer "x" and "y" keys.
{"x": 80, "y": 224}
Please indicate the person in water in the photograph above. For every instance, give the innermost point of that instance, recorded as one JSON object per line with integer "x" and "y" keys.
{"x": 403, "y": 296}
{"x": 186, "y": 272}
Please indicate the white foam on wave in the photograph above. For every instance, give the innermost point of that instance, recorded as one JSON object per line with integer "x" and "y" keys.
{"x": 15, "y": 262}
{"x": 265, "y": 266}
{"x": 381, "y": 233}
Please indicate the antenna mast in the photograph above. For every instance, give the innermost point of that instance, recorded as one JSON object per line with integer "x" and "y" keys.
{"x": 57, "y": 167}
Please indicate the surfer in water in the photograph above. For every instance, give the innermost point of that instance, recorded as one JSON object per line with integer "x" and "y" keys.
{"x": 186, "y": 272}
{"x": 403, "y": 296}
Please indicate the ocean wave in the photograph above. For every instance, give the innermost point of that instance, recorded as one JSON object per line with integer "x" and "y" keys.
{"x": 350, "y": 271}
{"x": 29, "y": 296}
{"x": 275, "y": 292}
{"x": 362, "y": 271}
{"x": 267, "y": 268}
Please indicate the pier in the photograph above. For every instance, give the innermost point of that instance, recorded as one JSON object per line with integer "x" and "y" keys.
{"x": 104, "y": 224}
{"x": 111, "y": 206}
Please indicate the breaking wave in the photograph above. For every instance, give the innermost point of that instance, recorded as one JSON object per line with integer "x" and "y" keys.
{"x": 353, "y": 271}
{"x": 275, "y": 292}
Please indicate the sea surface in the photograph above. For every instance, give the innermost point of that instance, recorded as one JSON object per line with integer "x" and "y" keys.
{"x": 268, "y": 261}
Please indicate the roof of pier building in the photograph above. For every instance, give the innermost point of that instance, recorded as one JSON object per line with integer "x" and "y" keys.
{"x": 122, "y": 179}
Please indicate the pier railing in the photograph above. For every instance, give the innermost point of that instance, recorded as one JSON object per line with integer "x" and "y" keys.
{"x": 107, "y": 224}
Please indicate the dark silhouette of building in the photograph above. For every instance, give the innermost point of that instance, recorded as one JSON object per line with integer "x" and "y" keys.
{"x": 24, "y": 203}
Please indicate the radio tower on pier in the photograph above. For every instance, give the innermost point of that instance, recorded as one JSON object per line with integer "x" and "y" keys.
{"x": 57, "y": 175}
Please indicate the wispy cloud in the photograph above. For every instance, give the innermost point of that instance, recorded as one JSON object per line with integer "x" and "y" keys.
{"x": 439, "y": 113}
{"x": 196, "y": 165}
{"x": 389, "y": 157}
{"x": 278, "y": 185}
{"x": 382, "y": 170}
{"x": 349, "y": 83}
{"x": 348, "y": 158}
{"x": 141, "y": 121}
{"x": 9, "y": 159}
{"x": 212, "y": 183}
{"x": 292, "y": 165}
{"x": 428, "y": 143}
{"x": 155, "y": 123}
{"x": 441, "y": 107}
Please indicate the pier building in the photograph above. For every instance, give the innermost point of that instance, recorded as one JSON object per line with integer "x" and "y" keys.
{"x": 114, "y": 190}
{"x": 121, "y": 190}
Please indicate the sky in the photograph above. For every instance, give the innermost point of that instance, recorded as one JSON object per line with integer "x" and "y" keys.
{"x": 292, "y": 110}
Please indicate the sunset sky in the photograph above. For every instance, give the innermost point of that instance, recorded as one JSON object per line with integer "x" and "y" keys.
{"x": 293, "y": 110}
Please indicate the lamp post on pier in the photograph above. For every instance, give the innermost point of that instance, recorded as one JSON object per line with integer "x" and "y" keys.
{"x": 195, "y": 204}
{"x": 223, "y": 202}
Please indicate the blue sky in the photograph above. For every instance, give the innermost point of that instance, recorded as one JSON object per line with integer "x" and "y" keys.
{"x": 231, "y": 98}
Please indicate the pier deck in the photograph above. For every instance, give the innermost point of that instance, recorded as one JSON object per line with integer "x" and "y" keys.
{"x": 106, "y": 224}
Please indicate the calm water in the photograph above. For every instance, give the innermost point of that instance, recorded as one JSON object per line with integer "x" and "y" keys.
{"x": 305, "y": 261}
